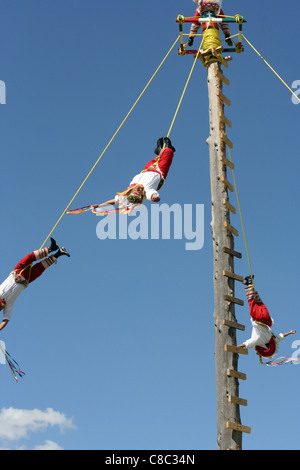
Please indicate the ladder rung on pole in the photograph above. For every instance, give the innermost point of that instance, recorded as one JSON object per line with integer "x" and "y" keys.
{"x": 235, "y": 350}
{"x": 231, "y": 252}
{"x": 234, "y": 300}
{"x": 237, "y": 400}
{"x": 229, "y": 206}
{"x": 223, "y": 98}
{"x": 235, "y": 374}
{"x": 233, "y": 276}
{"x": 222, "y": 77}
{"x": 238, "y": 427}
{"x": 224, "y": 119}
{"x": 227, "y": 162}
{"x": 233, "y": 324}
{"x": 227, "y": 184}
{"x": 224, "y": 62}
{"x": 231, "y": 229}
{"x": 226, "y": 141}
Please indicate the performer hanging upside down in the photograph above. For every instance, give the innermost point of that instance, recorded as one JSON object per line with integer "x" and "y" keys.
{"x": 25, "y": 273}
{"x": 146, "y": 184}
{"x": 203, "y": 8}
{"x": 262, "y": 338}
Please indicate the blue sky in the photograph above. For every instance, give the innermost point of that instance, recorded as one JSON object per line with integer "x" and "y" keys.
{"x": 117, "y": 342}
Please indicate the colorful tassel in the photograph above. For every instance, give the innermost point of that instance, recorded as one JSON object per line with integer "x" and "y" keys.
{"x": 281, "y": 360}
{"x": 128, "y": 209}
{"x": 13, "y": 365}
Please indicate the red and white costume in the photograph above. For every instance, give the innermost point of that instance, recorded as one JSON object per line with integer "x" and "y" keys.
{"x": 214, "y": 6}
{"x": 23, "y": 274}
{"x": 262, "y": 337}
{"x": 153, "y": 175}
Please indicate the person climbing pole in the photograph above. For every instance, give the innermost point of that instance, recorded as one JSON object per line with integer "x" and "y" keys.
{"x": 24, "y": 273}
{"x": 205, "y": 8}
{"x": 262, "y": 338}
{"x": 146, "y": 184}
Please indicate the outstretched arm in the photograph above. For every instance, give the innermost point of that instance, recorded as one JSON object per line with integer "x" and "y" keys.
{"x": 284, "y": 335}
{"x": 292, "y": 332}
{"x": 107, "y": 203}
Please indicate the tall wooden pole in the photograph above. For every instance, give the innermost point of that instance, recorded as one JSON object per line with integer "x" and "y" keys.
{"x": 226, "y": 358}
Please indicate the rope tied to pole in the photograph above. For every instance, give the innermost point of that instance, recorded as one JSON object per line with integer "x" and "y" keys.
{"x": 271, "y": 68}
{"x": 114, "y": 135}
{"x": 91, "y": 207}
{"x": 241, "y": 217}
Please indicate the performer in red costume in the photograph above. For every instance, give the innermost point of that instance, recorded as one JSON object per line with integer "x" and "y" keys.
{"x": 262, "y": 338}
{"x": 215, "y": 7}
{"x": 145, "y": 185}
{"x": 24, "y": 273}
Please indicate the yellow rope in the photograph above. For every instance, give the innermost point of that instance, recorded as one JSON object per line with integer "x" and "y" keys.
{"x": 233, "y": 174}
{"x": 234, "y": 180}
{"x": 240, "y": 212}
{"x": 184, "y": 90}
{"x": 278, "y": 76}
{"x": 127, "y": 115}
{"x": 181, "y": 98}
{"x": 229, "y": 37}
